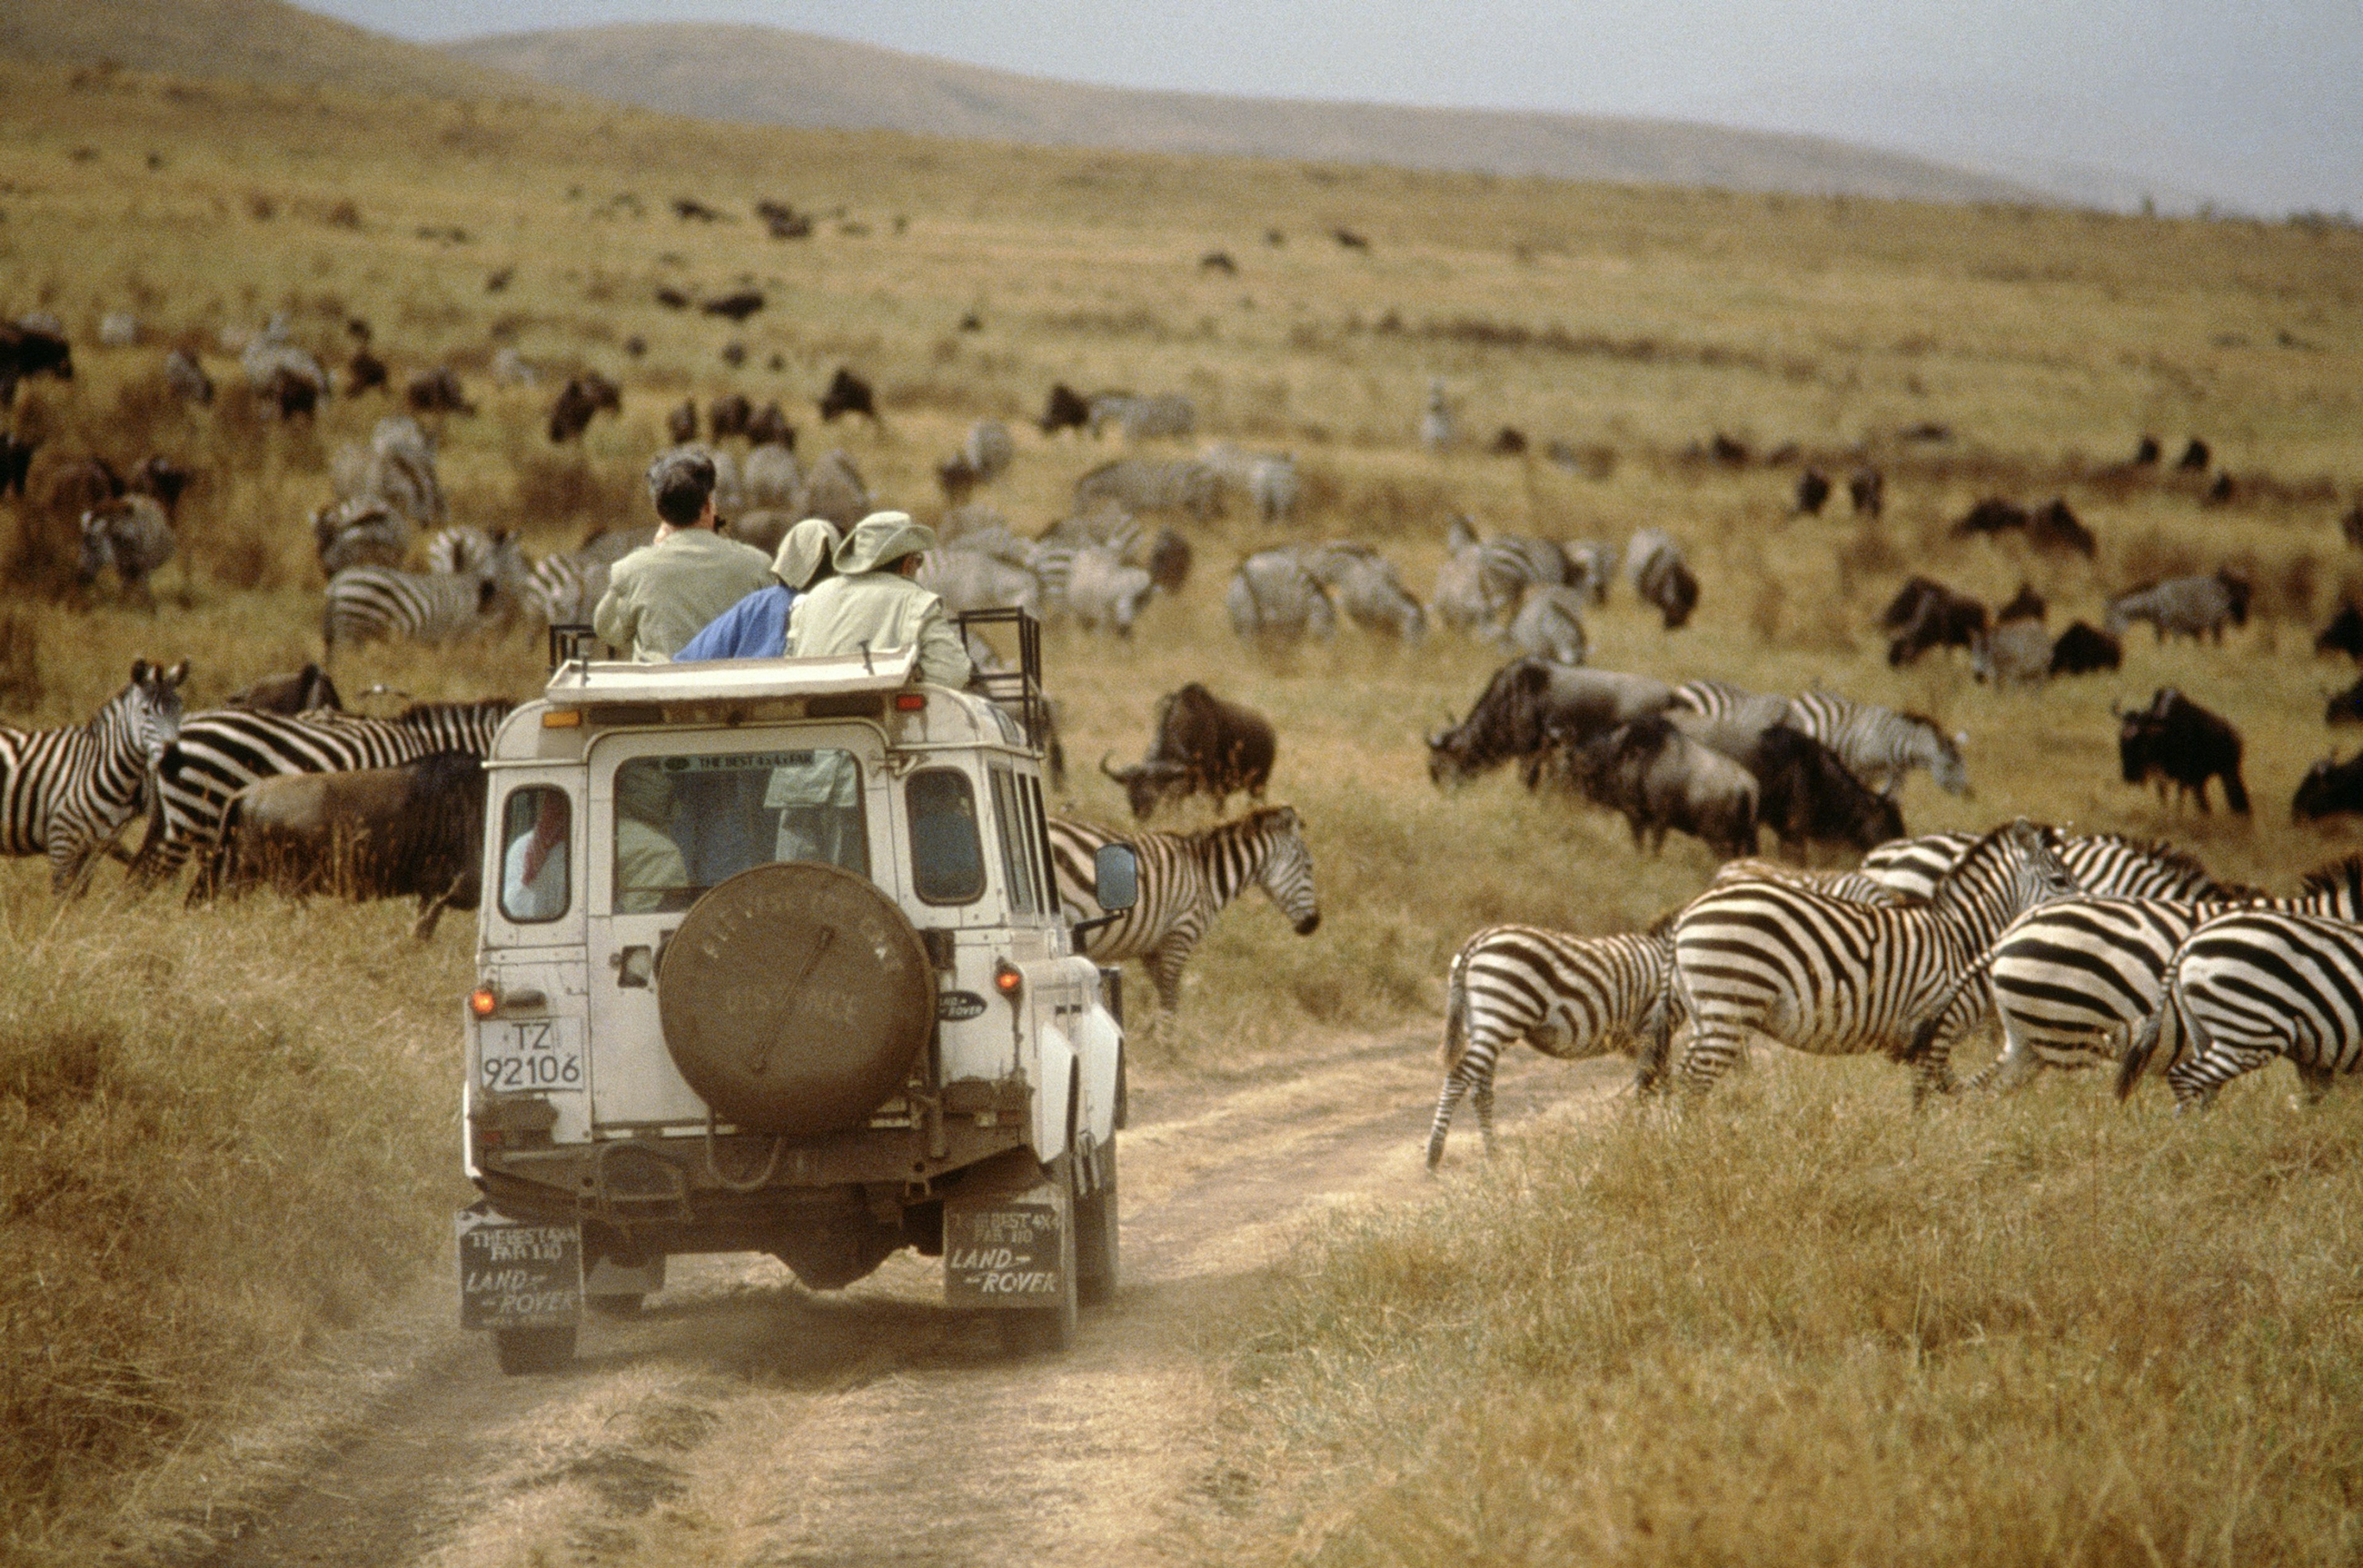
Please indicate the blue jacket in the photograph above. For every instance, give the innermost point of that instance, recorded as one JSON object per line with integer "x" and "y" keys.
{"x": 754, "y": 627}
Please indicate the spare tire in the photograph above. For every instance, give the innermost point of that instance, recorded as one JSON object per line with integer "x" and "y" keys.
{"x": 794, "y": 997}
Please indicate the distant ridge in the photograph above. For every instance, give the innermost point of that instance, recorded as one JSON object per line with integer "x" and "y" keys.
{"x": 769, "y": 75}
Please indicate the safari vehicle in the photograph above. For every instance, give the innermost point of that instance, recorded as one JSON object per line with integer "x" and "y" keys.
{"x": 774, "y": 961}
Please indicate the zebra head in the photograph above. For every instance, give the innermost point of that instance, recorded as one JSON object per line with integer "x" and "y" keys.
{"x": 1940, "y": 753}
{"x": 98, "y": 547}
{"x": 150, "y": 706}
{"x": 1284, "y": 866}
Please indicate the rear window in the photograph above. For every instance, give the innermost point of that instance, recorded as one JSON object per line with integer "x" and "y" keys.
{"x": 685, "y": 823}
{"x": 947, "y": 858}
{"x": 535, "y": 842}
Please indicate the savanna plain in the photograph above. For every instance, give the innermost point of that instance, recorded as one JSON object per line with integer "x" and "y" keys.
{"x": 1801, "y": 1323}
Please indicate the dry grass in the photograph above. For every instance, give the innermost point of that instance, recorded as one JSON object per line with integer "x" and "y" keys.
{"x": 1633, "y": 324}
{"x": 1806, "y": 1327}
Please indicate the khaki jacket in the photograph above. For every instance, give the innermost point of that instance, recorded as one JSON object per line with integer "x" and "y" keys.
{"x": 885, "y": 610}
{"x": 662, "y": 594}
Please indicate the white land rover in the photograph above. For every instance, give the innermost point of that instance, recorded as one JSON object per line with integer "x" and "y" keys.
{"x": 774, "y": 963}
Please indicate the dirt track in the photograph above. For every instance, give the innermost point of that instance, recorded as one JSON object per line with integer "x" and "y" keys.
{"x": 741, "y": 1419}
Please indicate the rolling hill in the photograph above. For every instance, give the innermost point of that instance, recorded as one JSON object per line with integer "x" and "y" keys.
{"x": 770, "y": 76}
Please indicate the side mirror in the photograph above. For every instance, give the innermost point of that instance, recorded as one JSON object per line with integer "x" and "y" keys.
{"x": 1115, "y": 877}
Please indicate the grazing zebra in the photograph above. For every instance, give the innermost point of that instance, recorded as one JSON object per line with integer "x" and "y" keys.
{"x": 459, "y": 550}
{"x": 1822, "y": 974}
{"x": 362, "y": 531}
{"x": 1870, "y": 739}
{"x": 1272, "y": 598}
{"x": 1850, "y": 885}
{"x": 1570, "y": 998}
{"x": 65, "y": 793}
{"x": 1185, "y": 881}
{"x": 2074, "y": 981}
{"x": 218, "y": 753}
{"x": 2251, "y": 986}
{"x": 1366, "y": 586}
{"x": 1509, "y": 564}
{"x": 2105, "y": 865}
{"x": 367, "y": 603}
{"x": 131, "y": 534}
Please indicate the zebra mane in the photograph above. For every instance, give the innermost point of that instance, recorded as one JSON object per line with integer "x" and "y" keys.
{"x": 1983, "y": 850}
{"x": 2345, "y": 874}
{"x": 1909, "y": 716}
{"x": 1664, "y": 924}
{"x": 2174, "y": 857}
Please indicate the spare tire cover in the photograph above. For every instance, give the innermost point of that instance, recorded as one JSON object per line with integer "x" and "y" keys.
{"x": 793, "y": 998}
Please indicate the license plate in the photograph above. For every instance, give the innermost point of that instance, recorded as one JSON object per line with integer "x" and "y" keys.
{"x": 517, "y": 1277}
{"x": 1011, "y": 1254}
{"x": 515, "y": 1054}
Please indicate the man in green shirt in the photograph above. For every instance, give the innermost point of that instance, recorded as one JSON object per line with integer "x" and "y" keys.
{"x": 663, "y": 594}
{"x": 872, "y": 600}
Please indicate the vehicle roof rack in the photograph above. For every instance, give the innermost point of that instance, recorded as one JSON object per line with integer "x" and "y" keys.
{"x": 1019, "y": 691}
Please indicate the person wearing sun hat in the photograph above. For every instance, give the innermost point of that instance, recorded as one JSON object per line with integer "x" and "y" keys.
{"x": 663, "y": 594}
{"x": 757, "y": 626}
{"x": 873, "y": 601}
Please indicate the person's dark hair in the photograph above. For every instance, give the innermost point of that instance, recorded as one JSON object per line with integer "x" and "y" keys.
{"x": 683, "y": 489}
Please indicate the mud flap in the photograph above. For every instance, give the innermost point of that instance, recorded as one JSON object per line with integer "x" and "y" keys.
{"x": 1009, "y": 1243}
{"x": 517, "y": 1277}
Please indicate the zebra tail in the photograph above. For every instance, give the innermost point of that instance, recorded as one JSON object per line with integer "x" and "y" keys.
{"x": 1456, "y": 1013}
{"x": 2142, "y": 1043}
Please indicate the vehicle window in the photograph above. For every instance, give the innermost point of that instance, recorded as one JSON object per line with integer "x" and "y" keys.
{"x": 1041, "y": 835}
{"x": 947, "y": 860}
{"x": 1006, "y": 828}
{"x": 685, "y": 823}
{"x": 536, "y": 830}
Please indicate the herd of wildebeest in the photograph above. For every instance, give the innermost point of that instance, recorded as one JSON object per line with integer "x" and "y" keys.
{"x": 1820, "y": 771}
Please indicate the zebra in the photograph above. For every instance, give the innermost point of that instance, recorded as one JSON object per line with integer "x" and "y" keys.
{"x": 218, "y": 753}
{"x": 2251, "y": 985}
{"x": 397, "y": 467}
{"x": 66, "y": 793}
{"x": 1458, "y": 597}
{"x": 1436, "y": 423}
{"x": 1570, "y": 998}
{"x": 1162, "y": 414}
{"x": 1870, "y": 739}
{"x": 564, "y": 588}
{"x": 362, "y": 531}
{"x": 1135, "y": 484}
{"x": 1822, "y": 974}
{"x": 2105, "y": 865}
{"x": 1549, "y": 625}
{"x": 131, "y": 534}
{"x": 1101, "y": 591}
{"x": 1271, "y": 597}
{"x": 2074, "y": 981}
{"x": 1510, "y": 564}
{"x": 1185, "y": 881}
{"x": 1365, "y": 582}
{"x": 366, "y": 603}
{"x": 460, "y": 549}
{"x": 2184, "y": 606}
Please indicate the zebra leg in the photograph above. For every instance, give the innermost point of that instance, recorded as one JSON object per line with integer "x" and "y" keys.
{"x": 1165, "y": 968}
{"x": 1455, "y": 1086}
{"x": 2314, "y": 1082}
{"x": 2196, "y": 1081}
{"x": 1715, "y": 1045}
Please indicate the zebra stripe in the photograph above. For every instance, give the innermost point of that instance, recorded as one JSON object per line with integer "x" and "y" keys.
{"x": 64, "y": 793}
{"x": 1568, "y": 997}
{"x": 1185, "y": 881}
{"x": 219, "y": 753}
{"x": 1871, "y": 740}
{"x": 2251, "y": 986}
{"x": 563, "y": 589}
{"x": 1822, "y": 974}
{"x": 2106, "y": 865}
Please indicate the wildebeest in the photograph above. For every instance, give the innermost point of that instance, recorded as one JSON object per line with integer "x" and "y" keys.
{"x": 1365, "y": 587}
{"x": 1273, "y": 599}
{"x": 1659, "y": 779}
{"x": 187, "y": 378}
{"x": 737, "y": 305}
{"x": 2184, "y": 606}
{"x": 1064, "y": 410}
{"x": 2176, "y": 741}
{"x": 680, "y": 423}
{"x": 415, "y": 831}
{"x": 1867, "y": 489}
{"x": 2146, "y": 452}
{"x": 2347, "y": 707}
{"x": 848, "y": 394}
{"x": 78, "y": 487}
{"x": 577, "y": 401}
{"x": 1808, "y": 798}
{"x": 2053, "y": 526}
{"x": 2195, "y": 457}
{"x": 365, "y": 372}
{"x": 1526, "y": 700}
{"x": 16, "y": 462}
{"x": 2350, "y": 526}
{"x": 297, "y": 691}
{"x": 1508, "y": 441}
{"x": 1660, "y": 576}
{"x": 27, "y": 352}
{"x": 1169, "y": 559}
{"x": 1218, "y": 262}
{"x": 1350, "y": 240}
{"x": 1990, "y": 515}
{"x": 2330, "y": 788}
{"x": 1200, "y": 744}
{"x": 2344, "y": 634}
{"x": 770, "y": 428}
{"x": 728, "y": 414}
{"x": 436, "y": 391}
{"x": 1812, "y": 491}
{"x": 2083, "y": 648}
{"x": 131, "y": 534}
{"x": 1925, "y": 613}
{"x": 2025, "y": 605}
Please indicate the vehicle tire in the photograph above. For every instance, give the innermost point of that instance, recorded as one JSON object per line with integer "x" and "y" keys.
{"x": 1095, "y": 1240}
{"x": 616, "y": 1305}
{"x": 526, "y": 1351}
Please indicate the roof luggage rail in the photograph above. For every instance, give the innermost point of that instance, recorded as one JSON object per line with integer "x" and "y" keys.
{"x": 571, "y": 642}
{"x": 1017, "y": 691}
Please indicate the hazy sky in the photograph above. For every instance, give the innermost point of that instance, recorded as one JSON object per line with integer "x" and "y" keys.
{"x": 2256, "y": 106}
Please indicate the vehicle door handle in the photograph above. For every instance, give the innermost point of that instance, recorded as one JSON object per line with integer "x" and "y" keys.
{"x": 634, "y": 966}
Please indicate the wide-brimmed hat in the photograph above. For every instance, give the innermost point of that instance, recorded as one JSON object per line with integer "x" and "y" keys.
{"x": 880, "y": 538}
{"x": 800, "y": 554}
